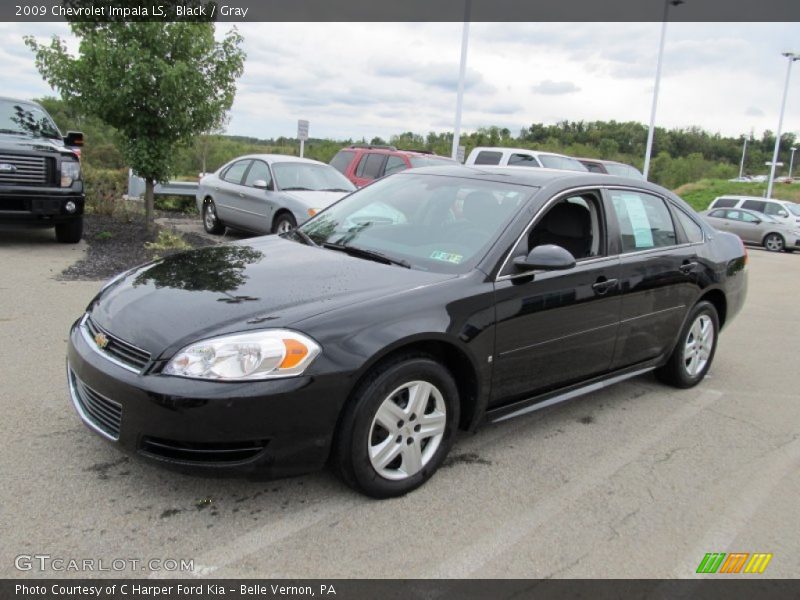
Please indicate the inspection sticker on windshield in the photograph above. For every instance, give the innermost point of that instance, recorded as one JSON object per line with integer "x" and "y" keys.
{"x": 447, "y": 257}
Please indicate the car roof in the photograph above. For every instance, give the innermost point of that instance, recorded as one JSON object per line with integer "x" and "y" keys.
{"x": 380, "y": 150}
{"x": 275, "y": 158}
{"x": 519, "y": 150}
{"x": 21, "y": 101}
{"x": 535, "y": 177}
{"x": 602, "y": 161}
{"x": 735, "y": 197}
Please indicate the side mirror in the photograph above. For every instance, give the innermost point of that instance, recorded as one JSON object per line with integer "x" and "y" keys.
{"x": 757, "y": 222}
{"x": 73, "y": 138}
{"x": 262, "y": 184}
{"x": 782, "y": 214}
{"x": 546, "y": 257}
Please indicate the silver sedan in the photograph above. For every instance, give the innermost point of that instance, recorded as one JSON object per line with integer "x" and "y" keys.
{"x": 755, "y": 228}
{"x": 268, "y": 193}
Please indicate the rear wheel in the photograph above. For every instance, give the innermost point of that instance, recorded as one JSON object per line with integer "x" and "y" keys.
{"x": 284, "y": 222}
{"x": 691, "y": 358}
{"x": 398, "y": 428}
{"x": 774, "y": 242}
{"x": 70, "y": 232}
{"x": 211, "y": 222}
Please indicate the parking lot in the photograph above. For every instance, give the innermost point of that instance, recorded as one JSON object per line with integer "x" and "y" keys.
{"x": 636, "y": 481}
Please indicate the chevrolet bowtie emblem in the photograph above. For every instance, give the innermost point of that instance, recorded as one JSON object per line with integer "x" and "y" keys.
{"x": 101, "y": 340}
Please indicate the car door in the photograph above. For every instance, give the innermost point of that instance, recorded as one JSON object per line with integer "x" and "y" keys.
{"x": 658, "y": 274}
{"x": 227, "y": 193}
{"x": 750, "y": 227}
{"x": 556, "y": 327}
{"x": 257, "y": 198}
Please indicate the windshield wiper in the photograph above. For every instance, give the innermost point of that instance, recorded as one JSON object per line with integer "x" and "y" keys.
{"x": 334, "y": 190}
{"x": 303, "y": 236}
{"x": 297, "y": 189}
{"x": 368, "y": 254}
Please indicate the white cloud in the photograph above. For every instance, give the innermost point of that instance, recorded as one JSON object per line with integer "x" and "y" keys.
{"x": 354, "y": 80}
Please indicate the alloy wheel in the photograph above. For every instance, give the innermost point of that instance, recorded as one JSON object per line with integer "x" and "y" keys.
{"x": 209, "y": 216}
{"x": 774, "y": 243}
{"x": 407, "y": 430}
{"x": 699, "y": 344}
{"x": 284, "y": 226}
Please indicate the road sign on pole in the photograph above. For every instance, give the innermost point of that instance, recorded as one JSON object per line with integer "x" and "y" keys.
{"x": 302, "y": 134}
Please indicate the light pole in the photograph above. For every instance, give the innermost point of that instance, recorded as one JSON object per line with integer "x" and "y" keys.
{"x": 791, "y": 161}
{"x": 461, "y": 76}
{"x": 791, "y": 56}
{"x": 651, "y": 130}
{"x": 741, "y": 164}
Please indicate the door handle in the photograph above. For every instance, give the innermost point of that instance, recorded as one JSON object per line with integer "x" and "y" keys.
{"x": 603, "y": 286}
{"x": 241, "y": 195}
{"x": 687, "y": 267}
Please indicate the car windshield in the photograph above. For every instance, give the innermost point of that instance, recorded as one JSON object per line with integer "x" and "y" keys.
{"x": 433, "y": 223}
{"x": 794, "y": 209}
{"x": 21, "y": 118}
{"x": 621, "y": 170}
{"x": 310, "y": 177}
{"x": 430, "y": 161}
{"x": 565, "y": 163}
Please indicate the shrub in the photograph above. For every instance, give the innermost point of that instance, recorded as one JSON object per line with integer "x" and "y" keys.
{"x": 104, "y": 189}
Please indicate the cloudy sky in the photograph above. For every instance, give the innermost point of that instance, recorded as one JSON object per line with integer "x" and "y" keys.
{"x": 354, "y": 80}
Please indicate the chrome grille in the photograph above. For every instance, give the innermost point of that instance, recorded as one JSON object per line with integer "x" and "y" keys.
{"x": 120, "y": 351}
{"x": 101, "y": 413}
{"x": 27, "y": 170}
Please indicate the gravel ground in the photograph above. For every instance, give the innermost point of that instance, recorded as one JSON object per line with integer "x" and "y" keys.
{"x": 117, "y": 244}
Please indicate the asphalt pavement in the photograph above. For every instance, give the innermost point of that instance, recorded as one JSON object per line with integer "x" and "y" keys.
{"x": 636, "y": 481}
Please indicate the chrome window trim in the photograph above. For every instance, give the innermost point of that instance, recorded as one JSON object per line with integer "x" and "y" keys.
{"x": 91, "y": 343}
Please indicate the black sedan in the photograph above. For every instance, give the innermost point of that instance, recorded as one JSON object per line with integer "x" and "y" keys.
{"x": 431, "y": 300}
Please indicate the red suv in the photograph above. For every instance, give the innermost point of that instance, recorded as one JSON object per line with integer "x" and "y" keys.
{"x": 362, "y": 164}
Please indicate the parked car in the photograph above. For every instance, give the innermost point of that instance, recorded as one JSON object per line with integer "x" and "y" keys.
{"x": 783, "y": 211}
{"x": 267, "y": 193}
{"x": 755, "y": 228}
{"x": 367, "y": 340}
{"x": 522, "y": 157}
{"x": 611, "y": 167}
{"x": 363, "y": 164}
{"x": 40, "y": 176}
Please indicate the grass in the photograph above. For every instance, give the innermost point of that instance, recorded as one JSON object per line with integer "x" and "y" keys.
{"x": 700, "y": 193}
{"x": 167, "y": 241}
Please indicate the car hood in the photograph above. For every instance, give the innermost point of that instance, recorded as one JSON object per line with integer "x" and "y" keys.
{"x": 262, "y": 283}
{"x": 316, "y": 199}
{"x": 25, "y": 143}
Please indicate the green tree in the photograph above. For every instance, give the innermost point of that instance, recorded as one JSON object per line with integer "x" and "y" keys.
{"x": 158, "y": 84}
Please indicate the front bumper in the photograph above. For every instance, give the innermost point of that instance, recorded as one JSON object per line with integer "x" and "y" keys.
{"x": 39, "y": 206}
{"x": 272, "y": 428}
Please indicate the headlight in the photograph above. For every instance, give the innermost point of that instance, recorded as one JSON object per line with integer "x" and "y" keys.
{"x": 70, "y": 171}
{"x": 246, "y": 356}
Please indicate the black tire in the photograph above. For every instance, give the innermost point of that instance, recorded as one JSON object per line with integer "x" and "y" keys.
{"x": 70, "y": 232}
{"x": 774, "y": 242}
{"x": 211, "y": 221}
{"x": 350, "y": 457}
{"x": 284, "y": 221}
{"x": 676, "y": 372}
{"x": 789, "y": 250}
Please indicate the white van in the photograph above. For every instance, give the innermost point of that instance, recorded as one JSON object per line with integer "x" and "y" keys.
{"x": 781, "y": 210}
{"x": 521, "y": 157}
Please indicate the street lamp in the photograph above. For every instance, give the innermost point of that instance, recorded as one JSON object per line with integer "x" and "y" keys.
{"x": 791, "y": 161}
{"x": 462, "y": 72}
{"x": 791, "y": 56}
{"x": 651, "y": 131}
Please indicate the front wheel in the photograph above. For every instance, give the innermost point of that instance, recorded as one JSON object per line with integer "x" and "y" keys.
{"x": 774, "y": 242}
{"x": 70, "y": 232}
{"x": 284, "y": 223}
{"x": 691, "y": 358}
{"x": 211, "y": 222}
{"x": 398, "y": 428}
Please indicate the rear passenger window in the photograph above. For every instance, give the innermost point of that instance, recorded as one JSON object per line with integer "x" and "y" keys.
{"x": 486, "y": 157}
{"x": 644, "y": 221}
{"x": 717, "y": 214}
{"x": 757, "y": 205}
{"x": 693, "y": 231}
{"x": 394, "y": 164}
{"x": 725, "y": 203}
{"x": 522, "y": 160}
{"x": 370, "y": 166}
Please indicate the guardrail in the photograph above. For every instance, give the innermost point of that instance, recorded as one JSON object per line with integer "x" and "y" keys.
{"x": 136, "y": 187}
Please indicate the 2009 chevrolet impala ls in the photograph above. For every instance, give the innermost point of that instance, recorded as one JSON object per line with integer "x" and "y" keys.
{"x": 431, "y": 300}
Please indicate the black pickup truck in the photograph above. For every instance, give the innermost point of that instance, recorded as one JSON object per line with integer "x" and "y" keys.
{"x": 40, "y": 172}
